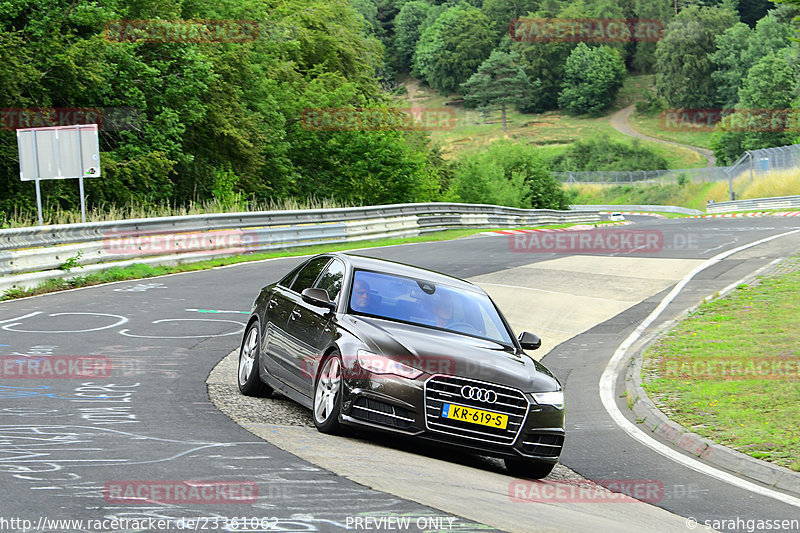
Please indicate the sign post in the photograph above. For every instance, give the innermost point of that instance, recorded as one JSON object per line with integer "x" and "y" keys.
{"x": 60, "y": 152}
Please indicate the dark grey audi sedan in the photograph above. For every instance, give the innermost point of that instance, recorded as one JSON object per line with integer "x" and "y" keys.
{"x": 374, "y": 344}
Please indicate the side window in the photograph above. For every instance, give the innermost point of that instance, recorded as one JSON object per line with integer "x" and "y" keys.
{"x": 331, "y": 279}
{"x": 309, "y": 274}
{"x": 286, "y": 281}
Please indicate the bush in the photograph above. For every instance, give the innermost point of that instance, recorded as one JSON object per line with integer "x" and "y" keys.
{"x": 651, "y": 104}
{"x": 605, "y": 154}
{"x": 506, "y": 174}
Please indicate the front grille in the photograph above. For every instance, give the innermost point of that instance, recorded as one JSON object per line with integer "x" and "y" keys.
{"x": 382, "y": 413}
{"x": 447, "y": 389}
{"x": 543, "y": 444}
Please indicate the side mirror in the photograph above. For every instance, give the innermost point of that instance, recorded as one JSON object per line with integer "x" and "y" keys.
{"x": 529, "y": 341}
{"x": 318, "y": 297}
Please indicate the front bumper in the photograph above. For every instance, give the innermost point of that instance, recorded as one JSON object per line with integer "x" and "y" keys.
{"x": 413, "y": 408}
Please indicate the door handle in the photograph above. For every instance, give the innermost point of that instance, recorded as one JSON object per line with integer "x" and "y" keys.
{"x": 272, "y": 304}
{"x": 296, "y": 315}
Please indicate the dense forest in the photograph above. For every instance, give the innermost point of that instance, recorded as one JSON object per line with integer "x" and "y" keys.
{"x": 190, "y": 118}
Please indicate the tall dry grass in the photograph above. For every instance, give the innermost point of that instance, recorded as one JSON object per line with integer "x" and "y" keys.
{"x": 19, "y": 218}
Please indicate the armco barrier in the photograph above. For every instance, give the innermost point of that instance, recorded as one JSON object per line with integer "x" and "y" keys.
{"x": 29, "y": 256}
{"x": 778, "y": 202}
{"x": 647, "y": 207}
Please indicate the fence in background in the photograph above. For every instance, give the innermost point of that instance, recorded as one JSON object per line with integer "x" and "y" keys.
{"x": 753, "y": 162}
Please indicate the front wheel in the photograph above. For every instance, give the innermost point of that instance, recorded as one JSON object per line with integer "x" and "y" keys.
{"x": 528, "y": 469}
{"x": 249, "y": 381}
{"x": 328, "y": 395}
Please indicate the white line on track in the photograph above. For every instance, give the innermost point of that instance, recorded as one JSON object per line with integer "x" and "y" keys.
{"x": 615, "y": 365}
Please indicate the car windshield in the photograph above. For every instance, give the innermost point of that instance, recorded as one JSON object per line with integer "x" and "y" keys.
{"x": 427, "y": 304}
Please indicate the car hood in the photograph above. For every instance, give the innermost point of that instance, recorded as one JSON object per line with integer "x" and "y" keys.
{"x": 440, "y": 352}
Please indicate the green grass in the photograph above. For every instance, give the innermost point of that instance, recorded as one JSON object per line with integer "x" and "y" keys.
{"x": 550, "y": 133}
{"x": 142, "y": 271}
{"x": 652, "y": 125}
{"x": 688, "y": 372}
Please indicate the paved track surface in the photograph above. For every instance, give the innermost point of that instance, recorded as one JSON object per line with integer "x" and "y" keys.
{"x": 62, "y": 441}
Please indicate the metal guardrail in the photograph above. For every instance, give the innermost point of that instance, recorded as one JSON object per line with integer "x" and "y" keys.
{"x": 29, "y": 256}
{"x": 778, "y": 202}
{"x": 644, "y": 207}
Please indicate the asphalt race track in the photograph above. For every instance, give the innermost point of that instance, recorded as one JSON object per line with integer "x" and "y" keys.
{"x": 108, "y": 445}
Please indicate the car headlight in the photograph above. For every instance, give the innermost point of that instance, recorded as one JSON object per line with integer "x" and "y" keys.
{"x": 554, "y": 398}
{"x": 378, "y": 364}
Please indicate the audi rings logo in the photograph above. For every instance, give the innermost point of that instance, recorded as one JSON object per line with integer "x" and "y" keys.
{"x": 482, "y": 395}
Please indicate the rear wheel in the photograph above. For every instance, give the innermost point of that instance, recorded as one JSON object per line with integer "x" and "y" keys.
{"x": 528, "y": 469}
{"x": 250, "y": 383}
{"x": 328, "y": 395}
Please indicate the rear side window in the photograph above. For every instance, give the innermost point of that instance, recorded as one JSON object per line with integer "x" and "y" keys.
{"x": 287, "y": 280}
{"x": 306, "y": 278}
{"x": 331, "y": 279}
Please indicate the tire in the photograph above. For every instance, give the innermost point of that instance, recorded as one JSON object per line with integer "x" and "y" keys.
{"x": 528, "y": 469}
{"x": 328, "y": 396}
{"x": 249, "y": 381}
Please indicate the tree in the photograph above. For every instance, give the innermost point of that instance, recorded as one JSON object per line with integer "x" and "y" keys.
{"x": 683, "y": 68}
{"x": 543, "y": 62}
{"x": 407, "y": 30}
{"x": 501, "y": 12}
{"x": 729, "y": 63}
{"x": 644, "y": 56}
{"x": 499, "y": 83}
{"x": 453, "y": 47}
{"x": 764, "y": 109}
{"x": 592, "y": 78}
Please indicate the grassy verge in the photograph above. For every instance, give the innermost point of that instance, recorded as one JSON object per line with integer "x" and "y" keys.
{"x": 731, "y": 370}
{"x": 142, "y": 271}
{"x": 693, "y": 195}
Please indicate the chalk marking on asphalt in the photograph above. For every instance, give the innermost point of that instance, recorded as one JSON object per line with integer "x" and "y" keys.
{"x": 718, "y": 247}
{"x": 216, "y": 311}
{"x": 612, "y": 370}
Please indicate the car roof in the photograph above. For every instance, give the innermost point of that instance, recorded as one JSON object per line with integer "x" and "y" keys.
{"x": 402, "y": 269}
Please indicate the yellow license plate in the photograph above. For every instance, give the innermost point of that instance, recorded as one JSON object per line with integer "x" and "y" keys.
{"x": 474, "y": 416}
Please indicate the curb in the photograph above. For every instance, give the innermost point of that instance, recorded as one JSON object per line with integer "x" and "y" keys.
{"x": 579, "y": 227}
{"x": 756, "y": 214}
{"x": 657, "y": 422}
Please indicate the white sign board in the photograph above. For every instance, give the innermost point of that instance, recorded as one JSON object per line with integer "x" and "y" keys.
{"x": 57, "y": 153}
{"x": 60, "y": 152}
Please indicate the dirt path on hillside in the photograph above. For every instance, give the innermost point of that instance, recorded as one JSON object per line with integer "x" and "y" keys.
{"x": 620, "y": 122}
